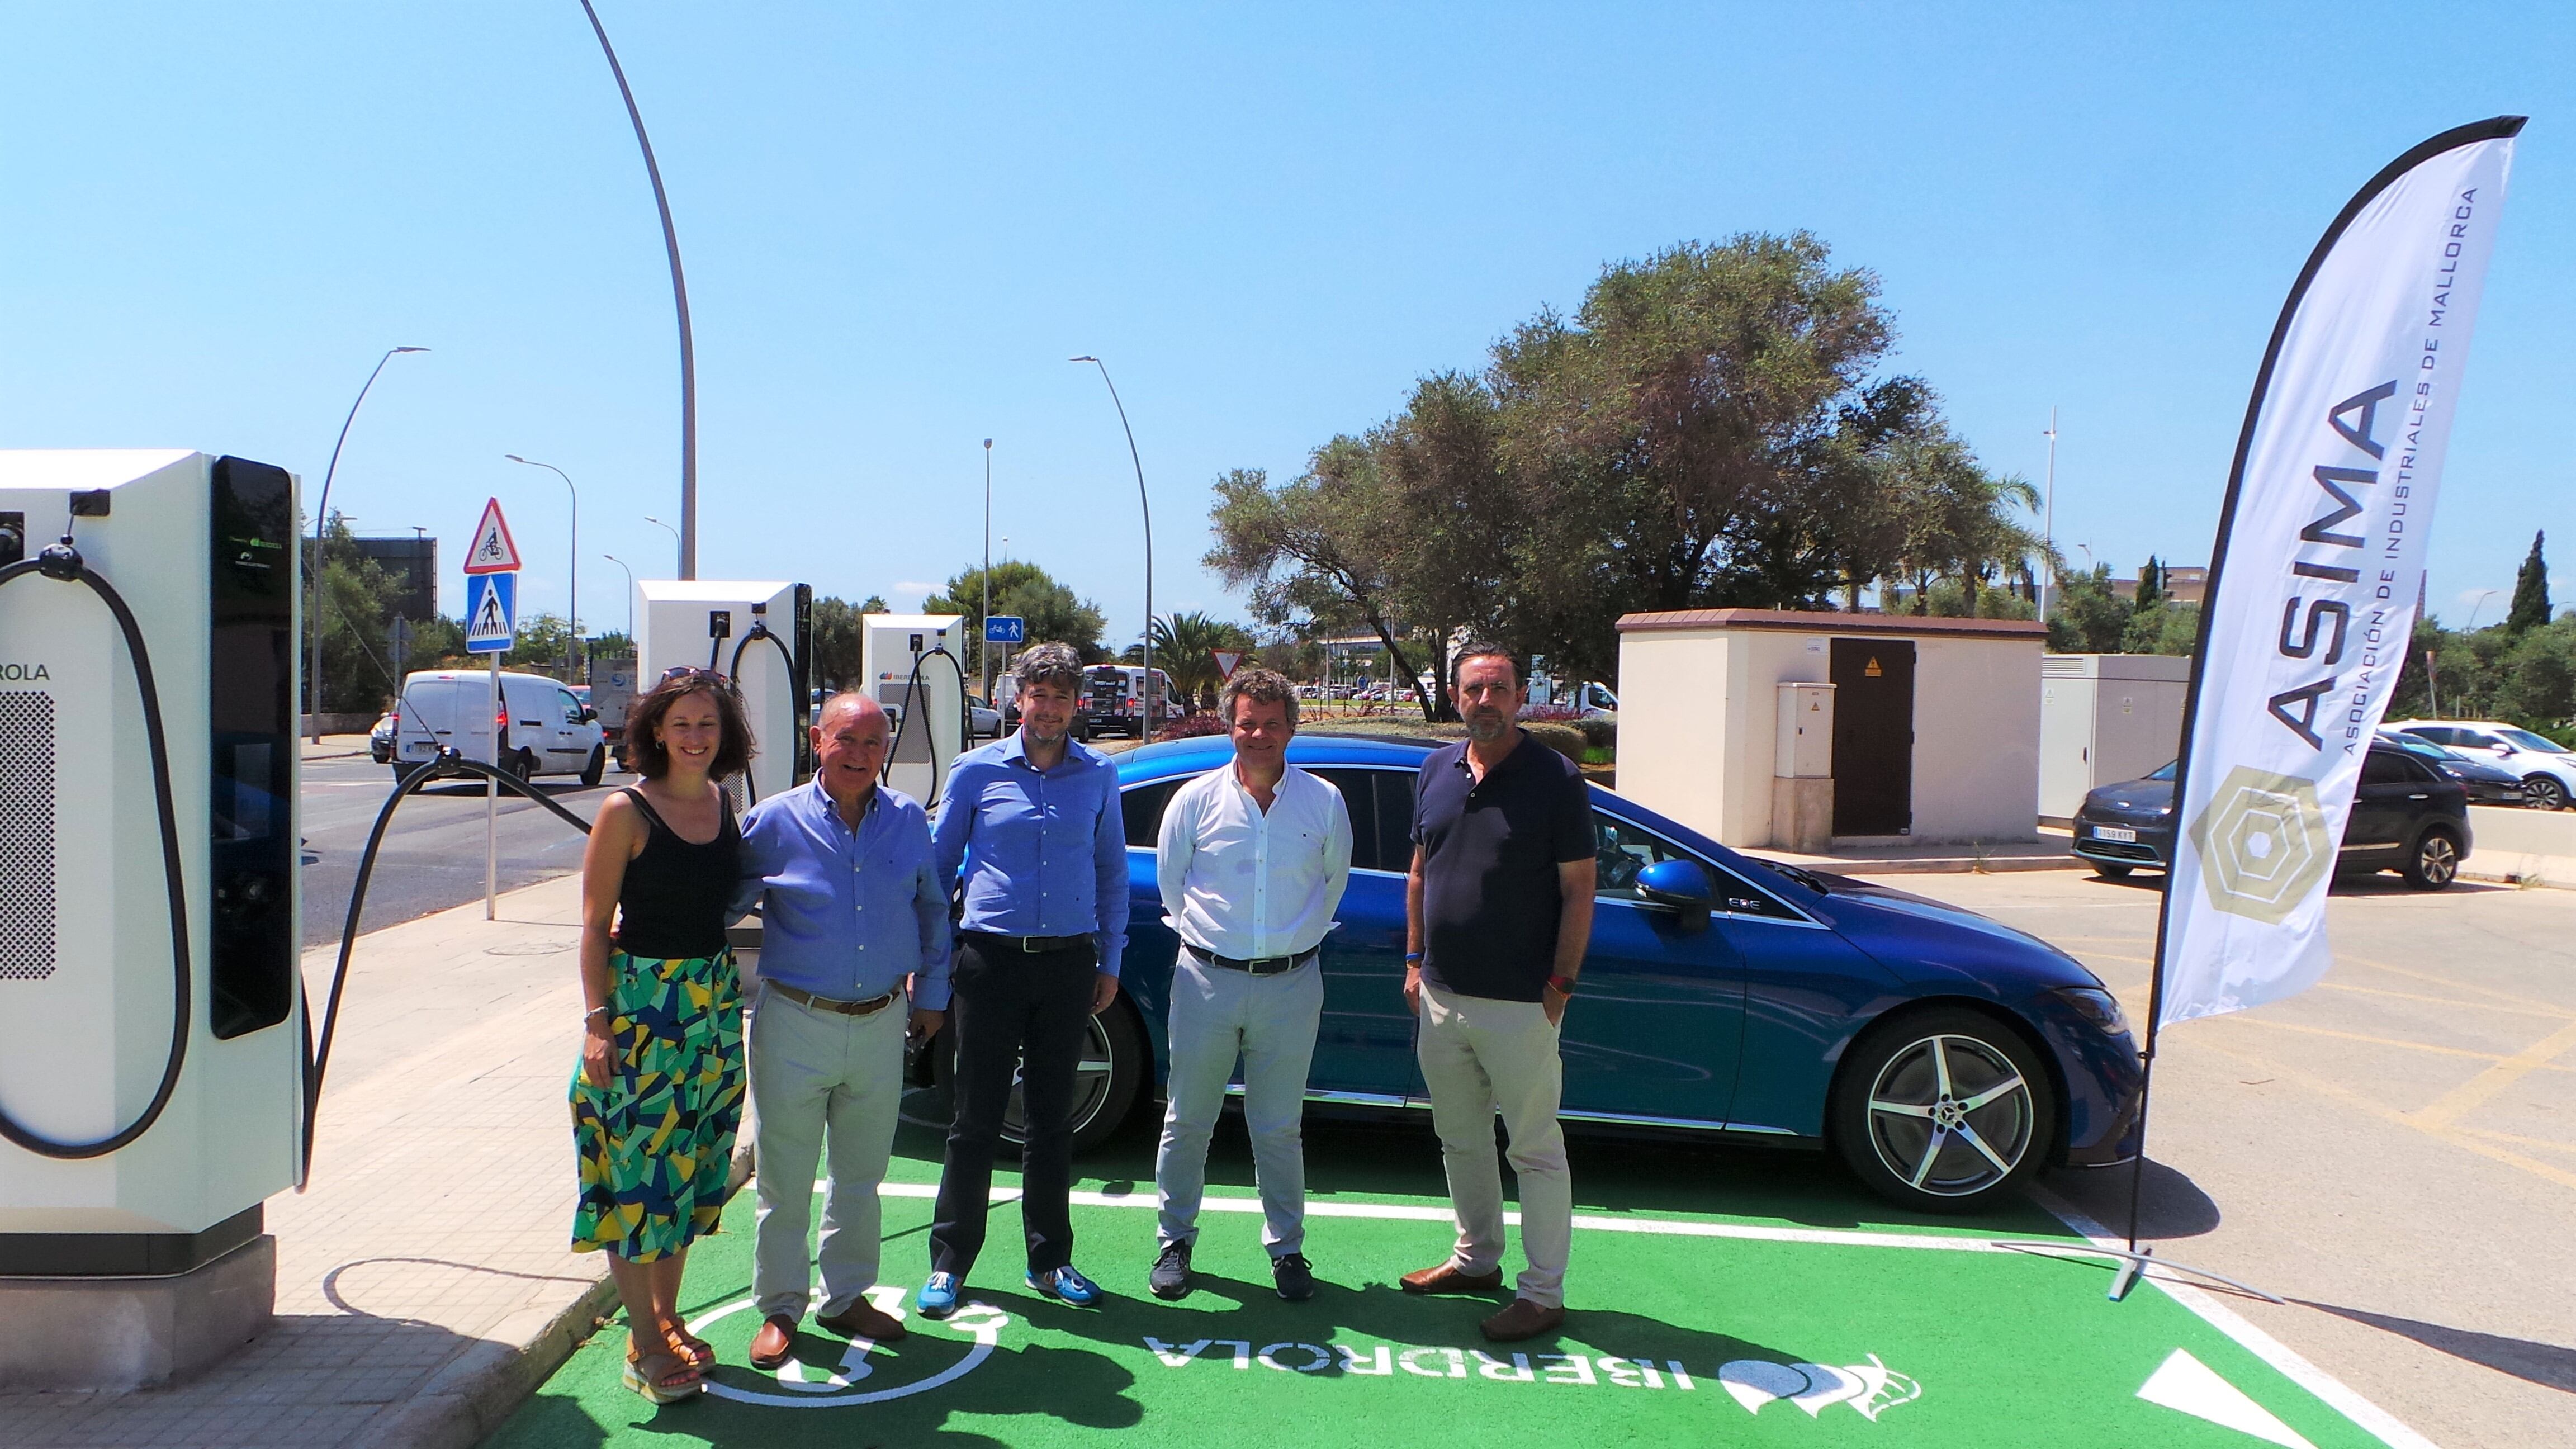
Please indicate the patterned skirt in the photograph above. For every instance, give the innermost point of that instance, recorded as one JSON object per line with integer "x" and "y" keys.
{"x": 656, "y": 1143}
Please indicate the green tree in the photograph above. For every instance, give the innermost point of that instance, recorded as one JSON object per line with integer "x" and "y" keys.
{"x": 2530, "y": 591}
{"x": 1185, "y": 648}
{"x": 1054, "y": 615}
{"x": 540, "y": 647}
{"x": 835, "y": 664}
{"x": 357, "y": 603}
{"x": 2090, "y": 617}
{"x": 1316, "y": 550}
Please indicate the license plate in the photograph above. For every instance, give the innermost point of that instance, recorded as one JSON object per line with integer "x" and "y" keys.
{"x": 2115, "y": 832}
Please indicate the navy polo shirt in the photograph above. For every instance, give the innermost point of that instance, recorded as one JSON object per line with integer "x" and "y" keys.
{"x": 1490, "y": 849}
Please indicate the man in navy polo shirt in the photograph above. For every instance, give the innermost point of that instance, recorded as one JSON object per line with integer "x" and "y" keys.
{"x": 1497, "y": 913}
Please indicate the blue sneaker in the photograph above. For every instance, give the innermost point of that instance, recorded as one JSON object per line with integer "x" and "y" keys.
{"x": 1067, "y": 1285}
{"x": 938, "y": 1296}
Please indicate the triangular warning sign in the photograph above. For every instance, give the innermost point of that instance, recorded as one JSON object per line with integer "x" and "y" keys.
{"x": 493, "y": 551}
{"x": 1873, "y": 671}
{"x": 2186, "y": 1384}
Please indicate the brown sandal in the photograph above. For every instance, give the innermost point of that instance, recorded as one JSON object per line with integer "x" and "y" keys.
{"x": 695, "y": 1350}
{"x": 663, "y": 1378}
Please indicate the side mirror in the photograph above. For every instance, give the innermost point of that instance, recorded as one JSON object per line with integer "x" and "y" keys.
{"x": 1681, "y": 887}
{"x": 590, "y": 714}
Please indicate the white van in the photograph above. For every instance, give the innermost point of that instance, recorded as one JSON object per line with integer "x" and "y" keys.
{"x": 544, "y": 728}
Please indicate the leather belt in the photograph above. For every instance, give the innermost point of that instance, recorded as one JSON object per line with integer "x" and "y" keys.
{"x": 1260, "y": 966}
{"x": 1032, "y": 945}
{"x": 869, "y": 1007}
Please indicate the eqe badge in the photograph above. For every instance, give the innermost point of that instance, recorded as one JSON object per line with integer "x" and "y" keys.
{"x": 850, "y": 1382}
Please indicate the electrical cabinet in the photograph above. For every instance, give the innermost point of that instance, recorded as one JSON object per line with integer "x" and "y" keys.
{"x": 2105, "y": 718}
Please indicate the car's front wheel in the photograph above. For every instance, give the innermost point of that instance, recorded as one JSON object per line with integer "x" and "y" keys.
{"x": 1942, "y": 1110}
{"x": 2544, "y": 792}
{"x": 2435, "y": 861}
{"x": 596, "y": 766}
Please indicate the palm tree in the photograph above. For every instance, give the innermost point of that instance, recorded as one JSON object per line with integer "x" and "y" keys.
{"x": 1185, "y": 647}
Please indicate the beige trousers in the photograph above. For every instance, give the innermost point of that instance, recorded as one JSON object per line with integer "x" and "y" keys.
{"x": 1479, "y": 1056}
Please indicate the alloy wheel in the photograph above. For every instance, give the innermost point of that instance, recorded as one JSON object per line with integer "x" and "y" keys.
{"x": 2543, "y": 792}
{"x": 1951, "y": 1115}
{"x": 1092, "y": 1081}
{"x": 2437, "y": 861}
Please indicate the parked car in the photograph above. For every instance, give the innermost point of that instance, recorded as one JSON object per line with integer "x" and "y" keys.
{"x": 1722, "y": 995}
{"x": 2487, "y": 782}
{"x": 982, "y": 720}
{"x": 2406, "y": 816}
{"x": 542, "y": 729}
{"x": 2547, "y": 768}
{"x": 380, "y": 739}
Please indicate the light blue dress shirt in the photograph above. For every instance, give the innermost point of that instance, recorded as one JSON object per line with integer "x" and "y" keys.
{"x": 846, "y": 913}
{"x": 1039, "y": 853}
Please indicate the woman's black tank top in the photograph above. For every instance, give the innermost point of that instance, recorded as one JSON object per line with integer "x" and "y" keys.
{"x": 675, "y": 895}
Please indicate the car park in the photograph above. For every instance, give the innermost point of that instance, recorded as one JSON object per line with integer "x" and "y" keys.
{"x": 1944, "y": 1057}
{"x": 2547, "y": 768}
{"x": 2487, "y": 782}
{"x": 540, "y": 729}
{"x": 2407, "y": 816}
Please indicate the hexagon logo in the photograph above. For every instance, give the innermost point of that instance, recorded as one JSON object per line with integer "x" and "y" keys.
{"x": 2263, "y": 844}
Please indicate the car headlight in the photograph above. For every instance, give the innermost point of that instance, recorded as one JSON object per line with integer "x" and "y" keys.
{"x": 2097, "y": 1006}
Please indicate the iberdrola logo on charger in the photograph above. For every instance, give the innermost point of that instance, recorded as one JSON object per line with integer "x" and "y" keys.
{"x": 2263, "y": 844}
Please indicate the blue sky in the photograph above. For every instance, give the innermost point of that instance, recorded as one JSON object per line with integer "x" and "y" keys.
{"x": 898, "y": 223}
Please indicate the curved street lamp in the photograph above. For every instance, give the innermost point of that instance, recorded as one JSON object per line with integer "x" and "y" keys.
{"x": 675, "y": 538}
{"x": 322, "y": 522}
{"x": 630, "y": 597}
{"x": 1145, "y": 729}
{"x": 572, "y": 650}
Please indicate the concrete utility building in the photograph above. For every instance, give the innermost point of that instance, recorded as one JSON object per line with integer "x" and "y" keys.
{"x": 2105, "y": 718}
{"x": 1934, "y": 732}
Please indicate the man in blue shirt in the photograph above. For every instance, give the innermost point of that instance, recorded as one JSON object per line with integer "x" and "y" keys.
{"x": 853, "y": 916}
{"x": 1031, "y": 828}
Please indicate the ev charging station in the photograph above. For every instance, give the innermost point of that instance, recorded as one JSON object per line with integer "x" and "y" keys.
{"x": 913, "y": 666}
{"x": 152, "y": 1066}
{"x": 758, "y": 634}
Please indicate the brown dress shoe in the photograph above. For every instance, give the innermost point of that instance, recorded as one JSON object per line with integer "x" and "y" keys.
{"x": 1522, "y": 1319}
{"x": 862, "y": 1320}
{"x": 775, "y": 1343}
{"x": 1447, "y": 1279}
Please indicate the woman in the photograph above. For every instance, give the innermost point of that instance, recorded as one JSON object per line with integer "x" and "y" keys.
{"x": 660, "y": 1088}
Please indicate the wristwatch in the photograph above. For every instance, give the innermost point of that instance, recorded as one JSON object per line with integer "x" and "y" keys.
{"x": 1561, "y": 985}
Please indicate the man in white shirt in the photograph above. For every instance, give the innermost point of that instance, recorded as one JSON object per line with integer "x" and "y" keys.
{"x": 1252, "y": 862}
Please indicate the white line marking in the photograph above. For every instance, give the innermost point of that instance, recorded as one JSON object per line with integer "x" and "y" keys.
{"x": 2336, "y": 1394}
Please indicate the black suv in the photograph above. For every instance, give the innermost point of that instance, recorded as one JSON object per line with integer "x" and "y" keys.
{"x": 2406, "y": 816}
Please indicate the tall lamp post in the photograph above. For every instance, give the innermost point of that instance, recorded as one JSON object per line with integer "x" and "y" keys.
{"x": 2048, "y": 520}
{"x": 322, "y": 522}
{"x": 630, "y": 597}
{"x": 688, "y": 530}
{"x": 984, "y": 647}
{"x": 675, "y": 540}
{"x": 572, "y": 650}
{"x": 1145, "y": 729}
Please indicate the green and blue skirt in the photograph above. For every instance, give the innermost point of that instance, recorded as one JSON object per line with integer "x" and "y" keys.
{"x": 656, "y": 1143}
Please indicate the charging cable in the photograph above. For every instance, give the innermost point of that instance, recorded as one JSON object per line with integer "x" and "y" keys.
{"x": 796, "y": 706}
{"x": 912, "y": 690}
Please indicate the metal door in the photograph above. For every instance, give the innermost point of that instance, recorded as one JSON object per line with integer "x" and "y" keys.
{"x": 1873, "y": 736}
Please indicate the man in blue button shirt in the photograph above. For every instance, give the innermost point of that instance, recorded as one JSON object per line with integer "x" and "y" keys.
{"x": 853, "y": 913}
{"x": 1030, "y": 827}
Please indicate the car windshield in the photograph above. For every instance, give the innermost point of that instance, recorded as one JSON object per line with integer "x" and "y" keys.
{"x": 2415, "y": 745}
{"x": 2526, "y": 740}
{"x": 2167, "y": 772}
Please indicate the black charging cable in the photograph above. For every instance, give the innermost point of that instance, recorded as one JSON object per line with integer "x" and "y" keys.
{"x": 912, "y": 690}
{"x": 796, "y": 755}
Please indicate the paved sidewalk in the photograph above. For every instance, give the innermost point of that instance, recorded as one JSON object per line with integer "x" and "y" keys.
{"x": 335, "y": 747}
{"x": 425, "y": 1282}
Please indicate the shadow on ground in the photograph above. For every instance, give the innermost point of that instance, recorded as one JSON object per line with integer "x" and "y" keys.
{"x": 2545, "y": 1364}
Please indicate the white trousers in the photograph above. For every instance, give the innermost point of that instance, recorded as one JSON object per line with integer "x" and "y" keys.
{"x": 818, "y": 1076}
{"x": 1269, "y": 1022}
{"x": 1478, "y": 1056}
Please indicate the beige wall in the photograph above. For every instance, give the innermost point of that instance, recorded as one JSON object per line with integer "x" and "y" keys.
{"x": 1976, "y": 739}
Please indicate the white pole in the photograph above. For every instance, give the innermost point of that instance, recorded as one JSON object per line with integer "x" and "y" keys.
{"x": 492, "y": 794}
{"x": 2048, "y": 518}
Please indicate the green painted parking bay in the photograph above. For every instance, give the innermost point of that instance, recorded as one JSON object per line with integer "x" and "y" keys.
{"x": 1780, "y": 1312}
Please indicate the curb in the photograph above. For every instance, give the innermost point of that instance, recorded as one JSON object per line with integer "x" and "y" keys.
{"x": 476, "y": 1392}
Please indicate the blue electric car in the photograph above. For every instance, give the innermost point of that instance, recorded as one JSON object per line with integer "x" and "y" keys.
{"x": 1942, "y": 1055}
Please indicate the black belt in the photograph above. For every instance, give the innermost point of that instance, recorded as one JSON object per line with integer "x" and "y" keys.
{"x": 1033, "y": 945}
{"x": 869, "y": 1007}
{"x": 1256, "y": 966}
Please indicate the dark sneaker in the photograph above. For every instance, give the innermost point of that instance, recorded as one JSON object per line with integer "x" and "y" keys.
{"x": 1067, "y": 1285}
{"x": 1171, "y": 1275}
{"x": 1295, "y": 1276}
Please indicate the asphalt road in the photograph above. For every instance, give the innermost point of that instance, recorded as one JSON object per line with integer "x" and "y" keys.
{"x": 433, "y": 852}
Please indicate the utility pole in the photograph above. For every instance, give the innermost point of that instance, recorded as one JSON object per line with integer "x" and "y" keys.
{"x": 2048, "y": 518}
{"x": 984, "y": 647}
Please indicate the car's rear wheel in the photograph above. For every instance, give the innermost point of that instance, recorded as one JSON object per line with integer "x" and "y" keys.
{"x": 1105, "y": 1083}
{"x": 2543, "y": 792}
{"x": 2435, "y": 861}
{"x": 1942, "y": 1110}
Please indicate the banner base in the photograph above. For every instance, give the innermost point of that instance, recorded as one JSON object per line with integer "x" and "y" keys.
{"x": 2133, "y": 1266}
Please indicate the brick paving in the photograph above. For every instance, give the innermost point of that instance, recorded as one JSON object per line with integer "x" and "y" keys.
{"x": 431, "y": 1252}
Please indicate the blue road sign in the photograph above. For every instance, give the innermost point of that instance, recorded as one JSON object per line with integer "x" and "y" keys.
{"x": 491, "y": 613}
{"x": 1006, "y": 629}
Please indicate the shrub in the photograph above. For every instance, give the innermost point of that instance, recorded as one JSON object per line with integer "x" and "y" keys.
{"x": 1192, "y": 726}
{"x": 1565, "y": 739}
{"x": 1549, "y": 713}
{"x": 1600, "y": 731}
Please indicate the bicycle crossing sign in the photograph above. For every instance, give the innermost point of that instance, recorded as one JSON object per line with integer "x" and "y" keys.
{"x": 494, "y": 551}
{"x": 491, "y": 613}
{"x": 1006, "y": 629}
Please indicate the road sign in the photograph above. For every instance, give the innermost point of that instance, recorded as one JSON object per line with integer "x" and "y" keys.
{"x": 1228, "y": 661}
{"x": 1005, "y": 629}
{"x": 491, "y": 613}
{"x": 493, "y": 551}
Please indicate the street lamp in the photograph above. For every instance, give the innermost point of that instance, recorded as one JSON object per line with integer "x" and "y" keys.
{"x": 572, "y": 659}
{"x": 984, "y": 647}
{"x": 630, "y": 597}
{"x": 1144, "y": 730}
{"x": 2479, "y": 603}
{"x": 322, "y": 521}
{"x": 675, "y": 538}
{"x": 687, "y": 533}
{"x": 2048, "y": 521}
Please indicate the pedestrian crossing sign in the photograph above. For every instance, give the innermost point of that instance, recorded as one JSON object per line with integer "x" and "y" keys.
{"x": 491, "y": 613}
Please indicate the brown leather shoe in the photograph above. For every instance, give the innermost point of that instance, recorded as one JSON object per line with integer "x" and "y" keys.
{"x": 775, "y": 1343}
{"x": 862, "y": 1320}
{"x": 1447, "y": 1279}
{"x": 1522, "y": 1319}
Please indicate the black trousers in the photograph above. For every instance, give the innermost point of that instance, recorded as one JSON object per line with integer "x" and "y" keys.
{"x": 1013, "y": 1011}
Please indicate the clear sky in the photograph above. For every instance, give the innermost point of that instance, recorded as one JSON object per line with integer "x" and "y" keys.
{"x": 900, "y": 221}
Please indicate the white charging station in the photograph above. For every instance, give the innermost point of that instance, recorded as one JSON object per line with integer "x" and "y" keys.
{"x": 899, "y": 660}
{"x": 710, "y": 624}
{"x": 142, "y": 1137}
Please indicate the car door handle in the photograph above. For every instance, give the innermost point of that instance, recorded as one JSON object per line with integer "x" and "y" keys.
{"x": 2419, "y": 797}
